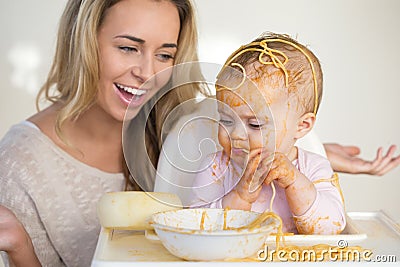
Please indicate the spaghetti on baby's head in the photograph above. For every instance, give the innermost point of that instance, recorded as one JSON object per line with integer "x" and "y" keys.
{"x": 280, "y": 82}
{"x": 282, "y": 62}
{"x": 277, "y": 61}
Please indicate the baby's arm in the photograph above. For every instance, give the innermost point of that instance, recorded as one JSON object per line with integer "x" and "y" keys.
{"x": 300, "y": 191}
{"x": 240, "y": 197}
{"x": 326, "y": 215}
{"x": 317, "y": 208}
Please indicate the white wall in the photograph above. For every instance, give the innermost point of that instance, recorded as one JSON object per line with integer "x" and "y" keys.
{"x": 27, "y": 39}
{"x": 356, "y": 41}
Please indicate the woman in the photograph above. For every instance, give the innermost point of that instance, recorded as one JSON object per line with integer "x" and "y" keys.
{"x": 57, "y": 164}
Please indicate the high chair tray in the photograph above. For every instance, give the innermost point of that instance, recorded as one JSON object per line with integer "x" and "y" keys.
{"x": 371, "y": 230}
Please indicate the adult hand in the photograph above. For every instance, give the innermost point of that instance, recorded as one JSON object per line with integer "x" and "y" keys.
{"x": 344, "y": 159}
{"x": 15, "y": 240}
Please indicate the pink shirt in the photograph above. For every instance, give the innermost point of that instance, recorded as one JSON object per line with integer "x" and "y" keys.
{"x": 325, "y": 216}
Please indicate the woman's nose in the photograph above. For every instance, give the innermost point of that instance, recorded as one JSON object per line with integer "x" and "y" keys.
{"x": 144, "y": 69}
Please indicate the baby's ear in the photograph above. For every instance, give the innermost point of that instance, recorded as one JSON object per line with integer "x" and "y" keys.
{"x": 304, "y": 124}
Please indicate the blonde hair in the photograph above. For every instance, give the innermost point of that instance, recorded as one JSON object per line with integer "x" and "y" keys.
{"x": 187, "y": 52}
{"x": 75, "y": 72}
{"x": 302, "y": 71}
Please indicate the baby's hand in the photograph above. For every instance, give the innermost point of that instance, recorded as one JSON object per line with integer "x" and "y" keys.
{"x": 255, "y": 172}
{"x": 282, "y": 171}
{"x": 248, "y": 189}
{"x": 299, "y": 190}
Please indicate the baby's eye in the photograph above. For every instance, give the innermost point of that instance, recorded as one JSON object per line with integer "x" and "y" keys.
{"x": 226, "y": 122}
{"x": 252, "y": 125}
{"x": 255, "y": 125}
{"x": 128, "y": 49}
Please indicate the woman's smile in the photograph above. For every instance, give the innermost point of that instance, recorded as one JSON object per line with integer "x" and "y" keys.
{"x": 130, "y": 95}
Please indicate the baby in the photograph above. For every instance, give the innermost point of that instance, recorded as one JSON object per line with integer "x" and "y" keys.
{"x": 268, "y": 95}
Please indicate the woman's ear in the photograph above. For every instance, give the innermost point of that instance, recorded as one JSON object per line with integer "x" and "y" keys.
{"x": 304, "y": 124}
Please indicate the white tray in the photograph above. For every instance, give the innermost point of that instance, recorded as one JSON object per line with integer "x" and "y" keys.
{"x": 371, "y": 230}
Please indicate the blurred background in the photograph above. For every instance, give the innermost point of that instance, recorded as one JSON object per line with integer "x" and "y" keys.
{"x": 357, "y": 42}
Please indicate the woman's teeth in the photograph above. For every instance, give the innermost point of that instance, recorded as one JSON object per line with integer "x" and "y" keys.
{"x": 131, "y": 90}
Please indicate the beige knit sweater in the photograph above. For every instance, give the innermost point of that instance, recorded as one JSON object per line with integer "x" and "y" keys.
{"x": 53, "y": 194}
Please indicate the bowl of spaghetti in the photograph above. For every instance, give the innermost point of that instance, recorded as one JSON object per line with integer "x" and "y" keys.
{"x": 213, "y": 234}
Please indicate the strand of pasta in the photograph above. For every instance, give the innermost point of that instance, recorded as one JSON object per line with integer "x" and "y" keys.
{"x": 335, "y": 181}
{"x": 203, "y": 217}
{"x": 319, "y": 250}
{"x": 279, "y": 233}
{"x": 273, "y": 196}
{"x": 274, "y": 61}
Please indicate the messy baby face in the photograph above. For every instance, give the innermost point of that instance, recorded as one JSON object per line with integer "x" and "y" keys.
{"x": 240, "y": 128}
{"x": 255, "y": 116}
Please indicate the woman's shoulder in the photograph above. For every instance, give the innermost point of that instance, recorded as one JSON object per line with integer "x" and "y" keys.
{"x": 45, "y": 120}
{"x": 20, "y": 135}
{"x": 25, "y": 147}
{"x": 20, "y": 150}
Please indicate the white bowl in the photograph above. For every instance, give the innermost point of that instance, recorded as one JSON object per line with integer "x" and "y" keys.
{"x": 180, "y": 233}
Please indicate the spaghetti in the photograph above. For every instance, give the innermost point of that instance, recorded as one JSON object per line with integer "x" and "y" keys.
{"x": 317, "y": 252}
{"x": 203, "y": 217}
{"x": 335, "y": 181}
{"x": 273, "y": 54}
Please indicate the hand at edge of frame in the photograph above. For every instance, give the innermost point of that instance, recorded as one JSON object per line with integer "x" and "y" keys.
{"x": 345, "y": 159}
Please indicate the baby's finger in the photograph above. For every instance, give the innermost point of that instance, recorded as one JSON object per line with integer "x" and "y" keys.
{"x": 259, "y": 176}
{"x": 255, "y": 152}
{"x": 251, "y": 167}
{"x": 272, "y": 174}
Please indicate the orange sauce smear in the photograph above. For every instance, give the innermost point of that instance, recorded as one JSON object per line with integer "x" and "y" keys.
{"x": 319, "y": 251}
{"x": 203, "y": 217}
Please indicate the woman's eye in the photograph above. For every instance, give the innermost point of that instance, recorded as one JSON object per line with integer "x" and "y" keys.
{"x": 165, "y": 57}
{"x": 226, "y": 122}
{"x": 128, "y": 49}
